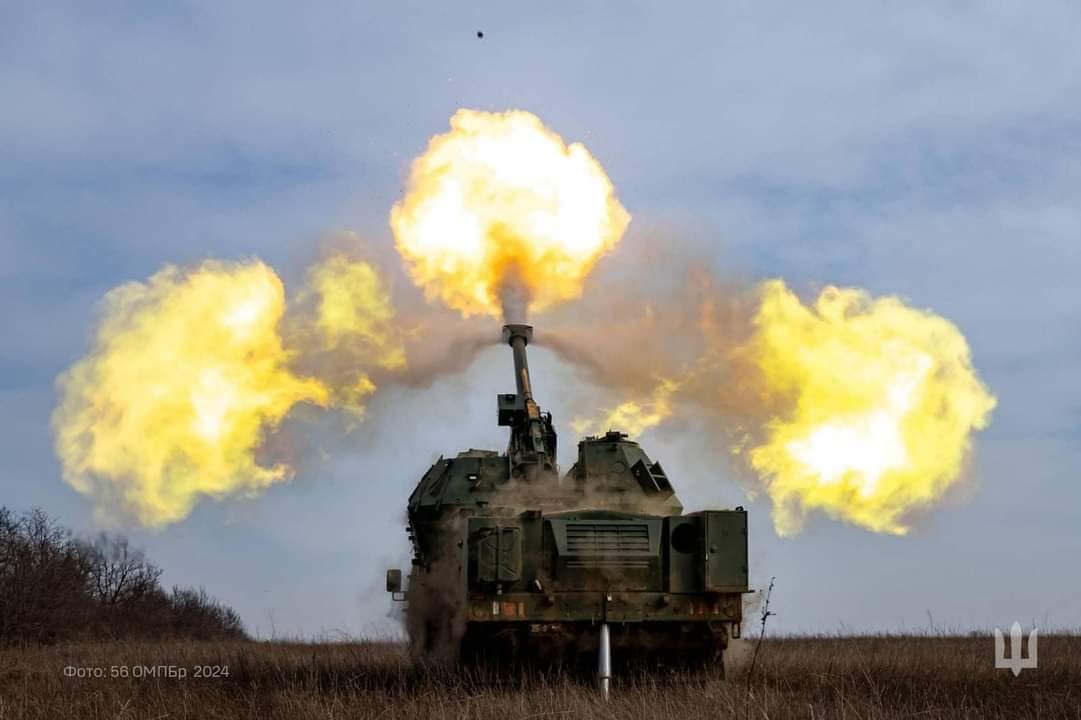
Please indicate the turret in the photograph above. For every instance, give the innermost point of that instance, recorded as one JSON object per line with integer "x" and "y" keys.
{"x": 532, "y": 447}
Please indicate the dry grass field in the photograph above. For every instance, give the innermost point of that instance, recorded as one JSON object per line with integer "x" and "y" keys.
{"x": 804, "y": 677}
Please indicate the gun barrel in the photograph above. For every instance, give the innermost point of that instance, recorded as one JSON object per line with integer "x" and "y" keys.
{"x": 518, "y": 336}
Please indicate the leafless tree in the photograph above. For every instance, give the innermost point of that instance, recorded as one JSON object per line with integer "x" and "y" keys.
{"x": 119, "y": 575}
{"x": 55, "y": 587}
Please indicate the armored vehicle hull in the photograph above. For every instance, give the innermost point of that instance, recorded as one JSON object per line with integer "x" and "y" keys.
{"x": 512, "y": 561}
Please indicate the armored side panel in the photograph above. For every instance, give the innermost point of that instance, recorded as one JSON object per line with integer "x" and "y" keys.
{"x": 725, "y": 554}
{"x": 495, "y": 552}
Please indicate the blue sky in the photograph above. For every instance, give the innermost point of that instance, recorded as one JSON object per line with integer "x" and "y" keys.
{"x": 929, "y": 150}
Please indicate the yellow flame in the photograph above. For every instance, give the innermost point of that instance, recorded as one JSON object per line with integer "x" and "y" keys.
{"x": 189, "y": 372}
{"x": 353, "y": 324}
{"x": 877, "y": 402}
{"x": 354, "y": 307}
{"x": 500, "y": 205}
{"x": 633, "y": 417}
{"x": 186, "y": 375}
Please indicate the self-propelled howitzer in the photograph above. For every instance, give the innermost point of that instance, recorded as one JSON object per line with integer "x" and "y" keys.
{"x": 513, "y": 561}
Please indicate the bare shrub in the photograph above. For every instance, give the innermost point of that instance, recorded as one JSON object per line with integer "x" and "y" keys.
{"x": 55, "y": 587}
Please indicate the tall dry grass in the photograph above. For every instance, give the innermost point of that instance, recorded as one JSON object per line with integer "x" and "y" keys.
{"x": 804, "y": 677}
